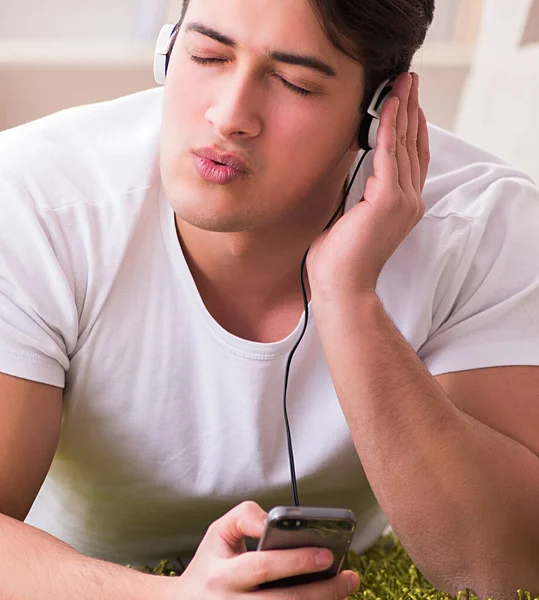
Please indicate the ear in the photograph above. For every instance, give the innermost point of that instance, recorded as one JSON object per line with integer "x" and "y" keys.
{"x": 355, "y": 146}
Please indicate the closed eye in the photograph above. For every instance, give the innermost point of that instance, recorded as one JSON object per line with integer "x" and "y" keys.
{"x": 216, "y": 61}
{"x": 295, "y": 88}
{"x": 207, "y": 61}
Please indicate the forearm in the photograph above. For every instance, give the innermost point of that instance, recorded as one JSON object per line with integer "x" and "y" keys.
{"x": 37, "y": 566}
{"x": 460, "y": 495}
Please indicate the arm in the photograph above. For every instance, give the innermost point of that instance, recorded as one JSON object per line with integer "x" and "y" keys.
{"x": 37, "y": 566}
{"x": 461, "y": 495}
{"x": 33, "y": 563}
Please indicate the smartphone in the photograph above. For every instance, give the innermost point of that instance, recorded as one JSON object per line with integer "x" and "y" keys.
{"x": 300, "y": 527}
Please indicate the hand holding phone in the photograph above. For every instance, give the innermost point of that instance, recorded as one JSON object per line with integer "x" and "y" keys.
{"x": 222, "y": 569}
{"x": 304, "y": 527}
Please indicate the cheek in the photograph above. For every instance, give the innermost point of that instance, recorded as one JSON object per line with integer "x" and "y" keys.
{"x": 291, "y": 130}
{"x": 307, "y": 143}
{"x": 182, "y": 117}
{"x": 186, "y": 94}
{"x": 182, "y": 102}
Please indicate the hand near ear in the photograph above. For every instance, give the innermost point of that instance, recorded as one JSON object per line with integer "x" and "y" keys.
{"x": 348, "y": 258}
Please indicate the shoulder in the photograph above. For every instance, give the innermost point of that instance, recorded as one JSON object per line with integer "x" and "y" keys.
{"x": 475, "y": 242}
{"x": 77, "y": 191}
{"x": 467, "y": 181}
{"x": 87, "y": 153}
{"x": 477, "y": 205}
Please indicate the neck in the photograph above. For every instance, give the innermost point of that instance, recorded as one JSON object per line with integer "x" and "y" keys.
{"x": 257, "y": 268}
{"x": 250, "y": 281}
{"x": 261, "y": 266}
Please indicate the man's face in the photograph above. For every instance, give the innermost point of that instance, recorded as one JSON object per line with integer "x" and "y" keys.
{"x": 249, "y": 100}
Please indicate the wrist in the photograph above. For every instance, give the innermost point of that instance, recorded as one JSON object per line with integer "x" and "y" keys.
{"x": 344, "y": 299}
{"x": 336, "y": 314}
{"x": 160, "y": 587}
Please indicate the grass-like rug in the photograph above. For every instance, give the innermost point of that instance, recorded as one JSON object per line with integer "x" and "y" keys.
{"x": 387, "y": 573}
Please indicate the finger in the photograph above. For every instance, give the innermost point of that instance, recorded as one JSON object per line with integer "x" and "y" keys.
{"x": 254, "y": 568}
{"x": 385, "y": 156}
{"x": 423, "y": 147}
{"x": 411, "y": 138}
{"x": 403, "y": 158}
{"x": 336, "y": 588}
{"x": 245, "y": 520}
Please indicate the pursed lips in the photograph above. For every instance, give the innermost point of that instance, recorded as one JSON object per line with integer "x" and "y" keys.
{"x": 226, "y": 159}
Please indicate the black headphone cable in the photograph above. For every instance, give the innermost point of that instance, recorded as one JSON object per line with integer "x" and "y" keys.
{"x": 289, "y": 359}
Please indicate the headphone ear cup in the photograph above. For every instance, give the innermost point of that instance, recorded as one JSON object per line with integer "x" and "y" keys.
{"x": 373, "y": 131}
{"x": 363, "y": 136}
{"x": 368, "y": 130}
{"x": 162, "y": 51}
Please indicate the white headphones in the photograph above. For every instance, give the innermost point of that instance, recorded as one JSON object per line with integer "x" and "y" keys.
{"x": 369, "y": 125}
{"x": 162, "y": 53}
{"x": 371, "y": 121}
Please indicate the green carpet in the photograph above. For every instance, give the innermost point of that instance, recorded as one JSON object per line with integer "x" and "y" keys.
{"x": 387, "y": 573}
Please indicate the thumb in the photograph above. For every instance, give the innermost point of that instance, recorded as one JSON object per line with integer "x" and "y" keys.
{"x": 245, "y": 520}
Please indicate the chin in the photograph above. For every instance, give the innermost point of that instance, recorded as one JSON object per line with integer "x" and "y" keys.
{"x": 226, "y": 209}
{"x": 213, "y": 223}
{"x": 205, "y": 211}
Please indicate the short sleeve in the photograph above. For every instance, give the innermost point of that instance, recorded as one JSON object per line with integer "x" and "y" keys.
{"x": 38, "y": 315}
{"x": 494, "y": 315}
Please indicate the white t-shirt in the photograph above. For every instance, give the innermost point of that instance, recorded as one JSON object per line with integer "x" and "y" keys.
{"x": 169, "y": 420}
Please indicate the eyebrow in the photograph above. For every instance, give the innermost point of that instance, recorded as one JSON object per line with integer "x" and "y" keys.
{"x": 302, "y": 60}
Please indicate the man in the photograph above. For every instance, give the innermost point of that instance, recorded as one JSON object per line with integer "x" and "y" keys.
{"x": 150, "y": 297}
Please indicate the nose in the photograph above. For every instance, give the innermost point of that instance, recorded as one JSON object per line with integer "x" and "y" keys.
{"x": 234, "y": 111}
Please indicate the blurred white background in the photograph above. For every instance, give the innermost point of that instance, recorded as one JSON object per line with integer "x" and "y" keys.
{"x": 479, "y": 69}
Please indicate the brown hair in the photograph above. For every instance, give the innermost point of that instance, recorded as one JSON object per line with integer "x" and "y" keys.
{"x": 380, "y": 35}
